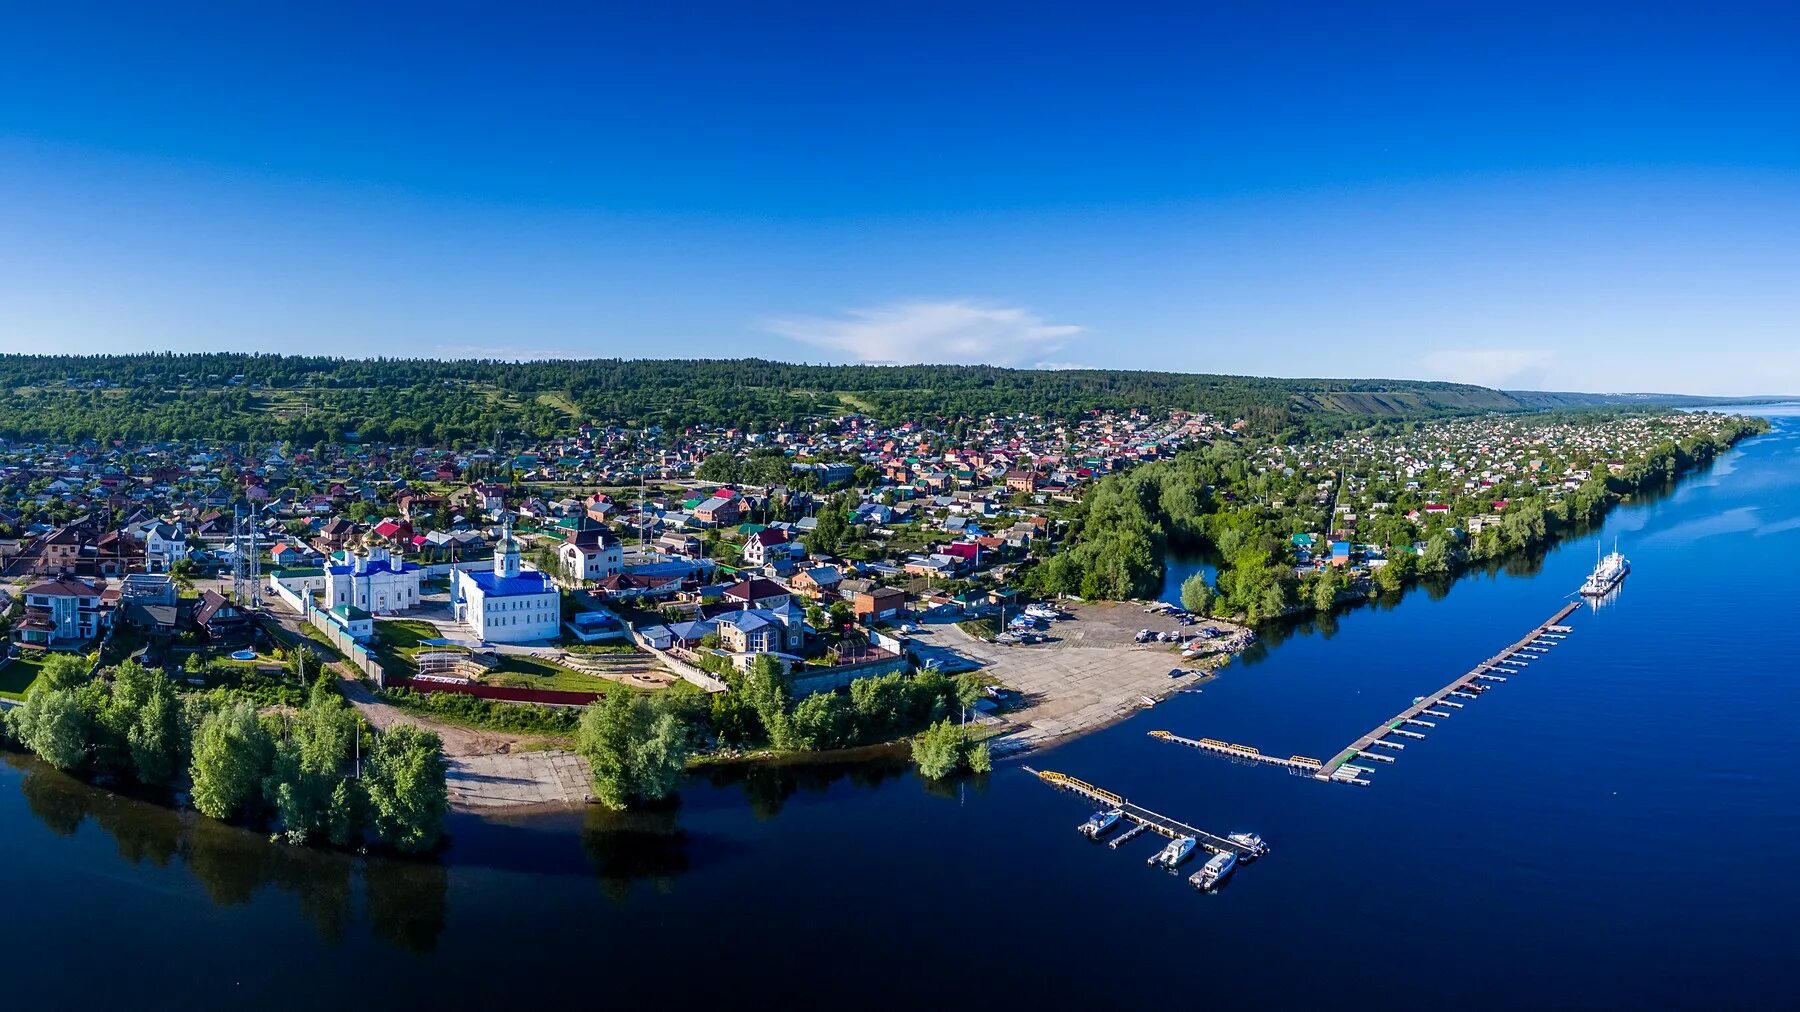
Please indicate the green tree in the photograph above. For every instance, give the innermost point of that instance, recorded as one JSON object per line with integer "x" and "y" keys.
{"x": 766, "y": 689}
{"x": 405, "y": 781}
{"x": 307, "y": 765}
{"x": 231, "y": 755}
{"x": 54, "y": 725}
{"x": 944, "y": 747}
{"x": 823, "y": 720}
{"x": 1325, "y": 590}
{"x": 1439, "y": 556}
{"x": 635, "y": 750}
{"x": 1197, "y": 595}
{"x": 65, "y": 671}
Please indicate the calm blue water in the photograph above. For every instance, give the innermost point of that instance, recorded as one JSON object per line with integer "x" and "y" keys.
{"x": 1616, "y": 827}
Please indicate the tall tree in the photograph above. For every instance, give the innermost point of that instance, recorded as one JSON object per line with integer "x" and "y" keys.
{"x": 404, "y": 777}
{"x": 230, "y": 758}
{"x": 636, "y": 751}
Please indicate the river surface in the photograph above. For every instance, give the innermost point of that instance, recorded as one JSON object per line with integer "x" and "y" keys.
{"x": 1619, "y": 826}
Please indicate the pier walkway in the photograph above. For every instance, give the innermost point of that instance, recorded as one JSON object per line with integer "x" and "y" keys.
{"x": 1471, "y": 685}
{"x": 1293, "y": 764}
{"x": 1141, "y": 816}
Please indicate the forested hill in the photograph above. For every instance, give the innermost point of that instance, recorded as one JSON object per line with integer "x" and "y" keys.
{"x": 310, "y": 399}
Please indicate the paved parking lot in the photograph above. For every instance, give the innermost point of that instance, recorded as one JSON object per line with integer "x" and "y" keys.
{"x": 506, "y": 780}
{"x": 1091, "y": 673}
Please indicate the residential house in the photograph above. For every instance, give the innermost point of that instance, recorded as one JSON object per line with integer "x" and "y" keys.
{"x": 878, "y": 604}
{"x": 63, "y": 613}
{"x": 591, "y": 554}
{"x": 219, "y": 618}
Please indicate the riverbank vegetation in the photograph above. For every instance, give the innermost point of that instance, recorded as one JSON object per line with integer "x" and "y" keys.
{"x": 313, "y": 773}
{"x": 631, "y": 740}
{"x": 1254, "y": 508}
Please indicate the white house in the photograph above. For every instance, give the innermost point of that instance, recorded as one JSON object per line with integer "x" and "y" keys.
{"x": 509, "y": 604}
{"x": 590, "y": 555}
{"x": 64, "y": 612}
{"x": 374, "y": 582}
{"x": 164, "y": 545}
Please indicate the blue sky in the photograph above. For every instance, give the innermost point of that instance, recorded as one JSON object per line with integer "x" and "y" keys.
{"x": 1601, "y": 199}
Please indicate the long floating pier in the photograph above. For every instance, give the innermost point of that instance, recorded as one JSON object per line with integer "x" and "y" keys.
{"x": 1296, "y": 764}
{"x": 1470, "y": 686}
{"x": 1143, "y": 817}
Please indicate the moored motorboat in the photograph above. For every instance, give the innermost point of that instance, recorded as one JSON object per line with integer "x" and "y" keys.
{"x": 1216, "y": 869}
{"x": 1176, "y": 852}
{"x": 1100, "y": 823}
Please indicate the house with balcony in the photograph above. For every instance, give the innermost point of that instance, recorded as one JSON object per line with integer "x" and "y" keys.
{"x": 61, "y": 614}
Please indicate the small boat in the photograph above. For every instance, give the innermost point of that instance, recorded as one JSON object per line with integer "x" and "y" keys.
{"x": 1146, "y": 700}
{"x": 1177, "y": 672}
{"x": 1100, "y": 823}
{"x": 1214, "y": 871}
{"x": 1176, "y": 852}
{"x": 1253, "y": 845}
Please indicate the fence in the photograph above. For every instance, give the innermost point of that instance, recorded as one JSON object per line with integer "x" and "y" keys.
{"x": 288, "y": 597}
{"x": 353, "y": 651}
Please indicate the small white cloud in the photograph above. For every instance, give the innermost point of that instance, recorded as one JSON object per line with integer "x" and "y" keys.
{"x": 1062, "y": 366}
{"x": 960, "y": 332}
{"x": 1515, "y": 368}
{"x": 503, "y": 352}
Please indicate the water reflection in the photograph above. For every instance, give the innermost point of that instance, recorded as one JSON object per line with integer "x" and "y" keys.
{"x": 625, "y": 846}
{"x": 768, "y": 785}
{"x": 404, "y": 902}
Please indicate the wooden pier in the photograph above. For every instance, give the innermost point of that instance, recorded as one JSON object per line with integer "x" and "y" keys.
{"x": 1141, "y": 816}
{"x": 1425, "y": 704}
{"x": 1469, "y": 686}
{"x": 1296, "y": 764}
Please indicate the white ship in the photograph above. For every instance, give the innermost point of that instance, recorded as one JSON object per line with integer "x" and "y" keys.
{"x": 1607, "y": 574}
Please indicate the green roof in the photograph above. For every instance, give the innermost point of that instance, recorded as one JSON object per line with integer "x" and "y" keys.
{"x": 350, "y": 613}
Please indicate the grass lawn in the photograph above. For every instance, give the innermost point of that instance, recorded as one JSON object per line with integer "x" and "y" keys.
{"x": 980, "y": 628}
{"x": 521, "y": 672}
{"x": 18, "y": 674}
{"x": 397, "y": 644}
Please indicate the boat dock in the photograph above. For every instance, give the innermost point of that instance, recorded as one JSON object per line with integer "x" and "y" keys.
{"x": 1143, "y": 818}
{"x": 1525, "y": 649}
{"x": 1441, "y": 704}
{"x": 1293, "y": 764}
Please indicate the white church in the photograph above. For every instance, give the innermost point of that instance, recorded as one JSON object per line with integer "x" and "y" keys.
{"x": 374, "y": 582}
{"x": 508, "y": 605}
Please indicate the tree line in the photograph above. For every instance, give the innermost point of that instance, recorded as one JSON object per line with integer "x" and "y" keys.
{"x": 231, "y": 396}
{"x": 637, "y": 745}
{"x": 316, "y": 774}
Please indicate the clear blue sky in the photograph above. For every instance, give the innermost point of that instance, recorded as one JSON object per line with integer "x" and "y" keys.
{"x": 1517, "y": 194}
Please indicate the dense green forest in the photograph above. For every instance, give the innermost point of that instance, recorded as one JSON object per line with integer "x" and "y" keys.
{"x": 308, "y": 399}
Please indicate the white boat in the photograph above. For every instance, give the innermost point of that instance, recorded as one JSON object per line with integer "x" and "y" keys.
{"x": 1607, "y": 574}
{"x": 1214, "y": 871}
{"x": 1176, "y": 852}
{"x": 1253, "y": 845}
{"x": 1100, "y": 823}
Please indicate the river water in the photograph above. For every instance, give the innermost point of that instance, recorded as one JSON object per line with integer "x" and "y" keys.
{"x": 1618, "y": 826}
